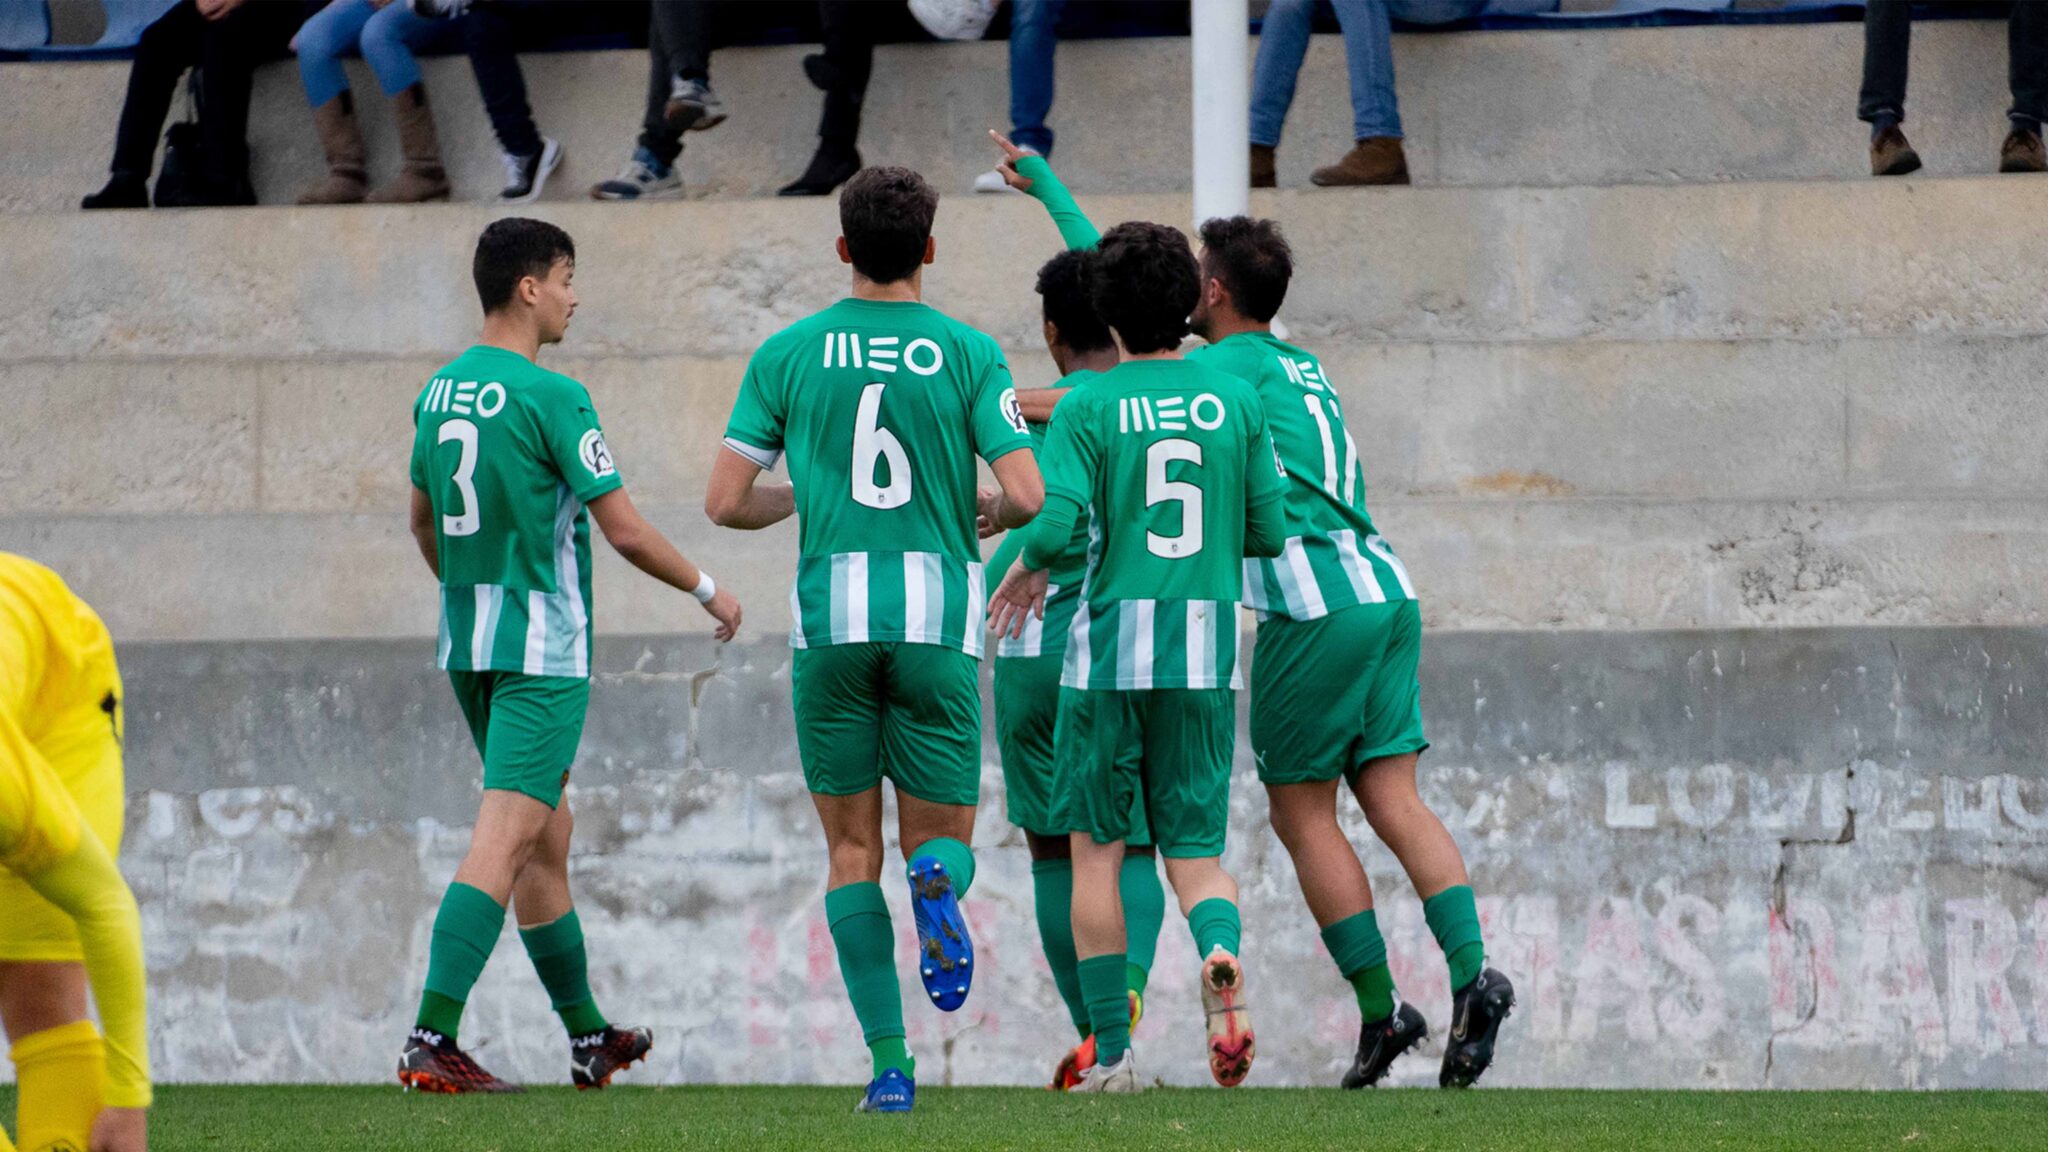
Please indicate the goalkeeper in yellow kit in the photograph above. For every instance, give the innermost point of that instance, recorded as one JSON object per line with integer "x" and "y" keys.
{"x": 65, "y": 912}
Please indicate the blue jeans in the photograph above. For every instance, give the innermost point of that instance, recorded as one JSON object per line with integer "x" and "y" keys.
{"x": 1034, "y": 34}
{"x": 1368, "y": 54}
{"x": 386, "y": 37}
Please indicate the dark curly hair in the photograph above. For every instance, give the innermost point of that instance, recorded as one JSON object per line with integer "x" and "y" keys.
{"x": 886, "y": 216}
{"x": 1252, "y": 260}
{"x": 1144, "y": 281}
{"x": 1063, "y": 283}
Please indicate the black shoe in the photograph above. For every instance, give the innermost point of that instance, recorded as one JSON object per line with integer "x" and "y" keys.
{"x": 692, "y": 106}
{"x": 121, "y": 192}
{"x": 827, "y": 171}
{"x": 1381, "y": 1041}
{"x": 1476, "y": 1012}
{"x": 596, "y": 1058}
{"x": 822, "y": 73}
{"x": 432, "y": 1063}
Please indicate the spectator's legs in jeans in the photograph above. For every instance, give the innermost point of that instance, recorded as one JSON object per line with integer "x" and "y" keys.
{"x": 165, "y": 50}
{"x": 842, "y": 71}
{"x": 320, "y": 43}
{"x": 2027, "y": 45}
{"x": 678, "y": 45}
{"x": 1034, "y": 37}
{"x": 387, "y": 42}
{"x": 1283, "y": 43}
{"x": 1887, "y": 33}
{"x": 487, "y": 36}
{"x": 1378, "y": 157}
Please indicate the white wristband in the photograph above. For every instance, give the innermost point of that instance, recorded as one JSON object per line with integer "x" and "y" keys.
{"x": 706, "y": 587}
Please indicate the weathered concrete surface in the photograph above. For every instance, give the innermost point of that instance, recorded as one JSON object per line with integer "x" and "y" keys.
{"x": 1493, "y": 108}
{"x": 1704, "y": 262}
{"x": 1790, "y": 858}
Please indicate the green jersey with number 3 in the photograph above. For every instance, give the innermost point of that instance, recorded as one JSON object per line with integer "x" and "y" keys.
{"x": 1333, "y": 557}
{"x": 1172, "y": 463}
{"x": 880, "y": 408}
{"x": 509, "y": 453}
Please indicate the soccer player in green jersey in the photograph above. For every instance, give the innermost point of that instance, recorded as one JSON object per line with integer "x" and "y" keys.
{"x": 507, "y": 456}
{"x": 881, "y": 404}
{"x": 1334, "y": 690}
{"x": 1171, "y": 463}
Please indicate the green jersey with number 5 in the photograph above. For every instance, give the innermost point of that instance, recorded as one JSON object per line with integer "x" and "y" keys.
{"x": 1333, "y": 558}
{"x": 881, "y": 408}
{"x": 1174, "y": 468}
{"x": 509, "y": 453}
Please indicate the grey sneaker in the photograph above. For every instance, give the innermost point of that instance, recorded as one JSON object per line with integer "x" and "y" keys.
{"x": 525, "y": 176}
{"x": 692, "y": 106}
{"x": 640, "y": 180}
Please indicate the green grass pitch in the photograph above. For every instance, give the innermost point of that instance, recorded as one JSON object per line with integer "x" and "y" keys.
{"x": 317, "y": 1119}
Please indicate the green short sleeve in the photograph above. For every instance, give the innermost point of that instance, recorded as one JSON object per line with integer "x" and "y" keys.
{"x": 755, "y": 428}
{"x": 574, "y": 440}
{"x": 999, "y": 427}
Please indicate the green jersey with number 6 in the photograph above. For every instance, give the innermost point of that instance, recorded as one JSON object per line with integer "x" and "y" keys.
{"x": 509, "y": 453}
{"x": 1173, "y": 465}
{"x": 1333, "y": 557}
{"x": 881, "y": 408}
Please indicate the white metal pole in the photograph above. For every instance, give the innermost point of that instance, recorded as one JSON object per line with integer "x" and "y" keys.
{"x": 1220, "y": 31}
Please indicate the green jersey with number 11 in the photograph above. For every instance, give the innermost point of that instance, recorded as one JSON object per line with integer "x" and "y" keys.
{"x": 881, "y": 408}
{"x": 1173, "y": 466}
{"x": 509, "y": 453}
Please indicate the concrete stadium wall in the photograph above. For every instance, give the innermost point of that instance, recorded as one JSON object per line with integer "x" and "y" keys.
{"x": 1483, "y": 108}
{"x": 1756, "y": 858}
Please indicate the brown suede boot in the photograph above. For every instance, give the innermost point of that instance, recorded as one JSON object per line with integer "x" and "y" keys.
{"x": 1373, "y": 160}
{"x": 1891, "y": 155}
{"x": 342, "y": 141}
{"x": 2022, "y": 152}
{"x": 423, "y": 177}
{"x": 1263, "y": 173}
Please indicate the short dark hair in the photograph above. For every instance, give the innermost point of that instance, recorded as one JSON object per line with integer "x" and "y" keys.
{"x": 1144, "y": 281}
{"x": 886, "y": 216}
{"x": 511, "y": 250}
{"x": 1252, "y": 259}
{"x": 1063, "y": 282}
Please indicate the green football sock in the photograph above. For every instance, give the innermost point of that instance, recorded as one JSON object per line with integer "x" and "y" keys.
{"x": 1360, "y": 951}
{"x": 1214, "y": 923}
{"x": 866, "y": 941}
{"x": 1144, "y": 912}
{"x": 1052, "y": 888}
{"x": 957, "y": 857}
{"x": 556, "y": 950}
{"x": 1109, "y": 1005}
{"x": 1454, "y": 920}
{"x": 465, "y": 931}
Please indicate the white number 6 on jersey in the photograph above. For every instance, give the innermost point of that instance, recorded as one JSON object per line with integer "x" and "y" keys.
{"x": 873, "y": 443}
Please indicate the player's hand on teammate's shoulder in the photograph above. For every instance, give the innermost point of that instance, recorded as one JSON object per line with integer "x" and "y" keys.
{"x": 1008, "y": 167}
{"x": 724, "y": 608}
{"x": 1020, "y": 596}
{"x": 120, "y": 1130}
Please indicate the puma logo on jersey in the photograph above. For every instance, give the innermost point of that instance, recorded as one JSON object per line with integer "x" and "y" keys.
{"x": 1306, "y": 373}
{"x": 464, "y": 397}
{"x": 883, "y": 353}
{"x": 1169, "y": 413}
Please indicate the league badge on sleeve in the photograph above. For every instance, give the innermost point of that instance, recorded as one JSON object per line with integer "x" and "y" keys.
{"x": 595, "y": 456}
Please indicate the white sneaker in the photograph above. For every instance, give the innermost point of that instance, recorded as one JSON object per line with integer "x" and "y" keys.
{"x": 525, "y": 176}
{"x": 992, "y": 181}
{"x": 1120, "y": 1077}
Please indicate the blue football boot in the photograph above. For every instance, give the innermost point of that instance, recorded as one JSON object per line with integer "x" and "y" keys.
{"x": 892, "y": 1091}
{"x": 945, "y": 956}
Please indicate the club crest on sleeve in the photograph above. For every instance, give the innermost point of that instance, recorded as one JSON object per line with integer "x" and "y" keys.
{"x": 596, "y": 457}
{"x": 1013, "y": 411}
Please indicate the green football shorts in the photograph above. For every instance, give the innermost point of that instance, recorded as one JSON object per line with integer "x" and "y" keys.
{"x": 1162, "y": 754}
{"x": 526, "y": 728}
{"x": 910, "y": 712}
{"x": 1330, "y": 694}
{"x": 1027, "y": 693}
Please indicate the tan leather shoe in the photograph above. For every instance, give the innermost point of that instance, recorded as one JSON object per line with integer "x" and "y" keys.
{"x": 1891, "y": 155}
{"x": 1373, "y": 160}
{"x": 2022, "y": 152}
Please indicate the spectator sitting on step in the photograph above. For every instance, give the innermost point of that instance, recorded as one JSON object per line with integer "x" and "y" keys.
{"x": 1377, "y": 157}
{"x": 386, "y": 33}
{"x": 679, "y": 100}
{"x": 489, "y": 29}
{"x": 1887, "y": 32}
{"x": 1034, "y": 37}
{"x": 225, "y": 40}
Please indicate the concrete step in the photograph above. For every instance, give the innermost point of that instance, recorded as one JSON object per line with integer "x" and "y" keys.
{"x": 1481, "y": 108}
{"x": 1728, "y": 261}
{"x": 1543, "y": 484}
